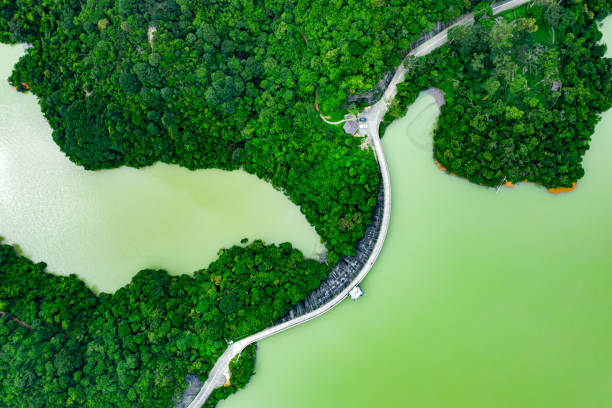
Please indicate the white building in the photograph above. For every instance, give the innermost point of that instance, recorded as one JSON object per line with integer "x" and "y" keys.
{"x": 356, "y": 293}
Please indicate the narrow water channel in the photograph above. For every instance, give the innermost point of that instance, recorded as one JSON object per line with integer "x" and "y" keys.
{"x": 478, "y": 300}
{"x": 107, "y": 225}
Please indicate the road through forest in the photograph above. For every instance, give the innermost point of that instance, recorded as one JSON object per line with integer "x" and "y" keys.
{"x": 374, "y": 115}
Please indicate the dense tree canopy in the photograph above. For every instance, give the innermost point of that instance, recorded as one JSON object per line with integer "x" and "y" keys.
{"x": 225, "y": 84}
{"x": 242, "y": 368}
{"x": 524, "y": 93}
{"x": 231, "y": 84}
{"x": 61, "y": 345}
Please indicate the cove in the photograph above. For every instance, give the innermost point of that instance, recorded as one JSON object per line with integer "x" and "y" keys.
{"x": 107, "y": 225}
{"x": 478, "y": 299}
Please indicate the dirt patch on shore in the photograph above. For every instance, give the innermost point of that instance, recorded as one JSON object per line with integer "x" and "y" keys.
{"x": 509, "y": 184}
{"x": 25, "y": 86}
{"x": 559, "y": 190}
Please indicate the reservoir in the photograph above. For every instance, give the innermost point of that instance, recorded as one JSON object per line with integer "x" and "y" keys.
{"x": 478, "y": 299}
{"x": 107, "y": 225}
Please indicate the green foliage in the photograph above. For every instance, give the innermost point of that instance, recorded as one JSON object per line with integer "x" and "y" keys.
{"x": 524, "y": 95}
{"x": 242, "y": 368}
{"x": 135, "y": 347}
{"x": 238, "y": 80}
{"x": 231, "y": 85}
{"x": 154, "y": 59}
{"x": 599, "y": 8}
{"x": 228, "y": 303}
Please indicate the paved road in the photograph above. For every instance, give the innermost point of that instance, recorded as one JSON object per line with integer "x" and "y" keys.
{"x": 374, "y": 115}
{"x": 217, "y": 375}
{"x": 352, "y": 117}
{"x": 377, "y": 112}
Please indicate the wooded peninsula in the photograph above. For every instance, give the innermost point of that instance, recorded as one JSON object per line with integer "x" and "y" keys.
{"x": 524, "y": 91}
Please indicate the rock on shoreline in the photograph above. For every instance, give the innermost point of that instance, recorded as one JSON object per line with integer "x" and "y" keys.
{"x": 438, "y": 95}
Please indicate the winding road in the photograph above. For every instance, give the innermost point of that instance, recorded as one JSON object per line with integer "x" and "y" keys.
{"x": 338, "y": 122}
{"x": 220, "y": 372}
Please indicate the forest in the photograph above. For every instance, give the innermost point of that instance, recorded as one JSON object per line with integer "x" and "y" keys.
{"x": 524, "y": 92}
{"x": 226, "y": 84}
{"x": 62, "y": 345}
{"x": 231, "y": 84}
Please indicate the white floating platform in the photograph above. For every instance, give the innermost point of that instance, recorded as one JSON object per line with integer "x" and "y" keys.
{"x": 356, "y": 293}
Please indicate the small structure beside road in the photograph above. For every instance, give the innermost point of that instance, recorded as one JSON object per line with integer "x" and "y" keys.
{"x": 356, "y": 293}
{"x": 350, "y": 127}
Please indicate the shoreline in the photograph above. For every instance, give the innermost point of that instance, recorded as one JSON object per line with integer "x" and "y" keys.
{"x": 509, "y": 184}
{"x": 437, "y": 94}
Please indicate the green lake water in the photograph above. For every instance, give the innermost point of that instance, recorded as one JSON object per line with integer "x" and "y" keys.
{"x": 478, "y": 299}
{"x": 107, "y": 225}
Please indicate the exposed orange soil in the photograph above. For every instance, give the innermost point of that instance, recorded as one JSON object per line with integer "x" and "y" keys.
{"x": 25, "y": 85}
{"x": 317, "y": 105}
{"x": 559, "y": 190}
{"x": 441, "y": 167}
{"x": 556, "y": 190}
{"x": 16, "y": 320}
